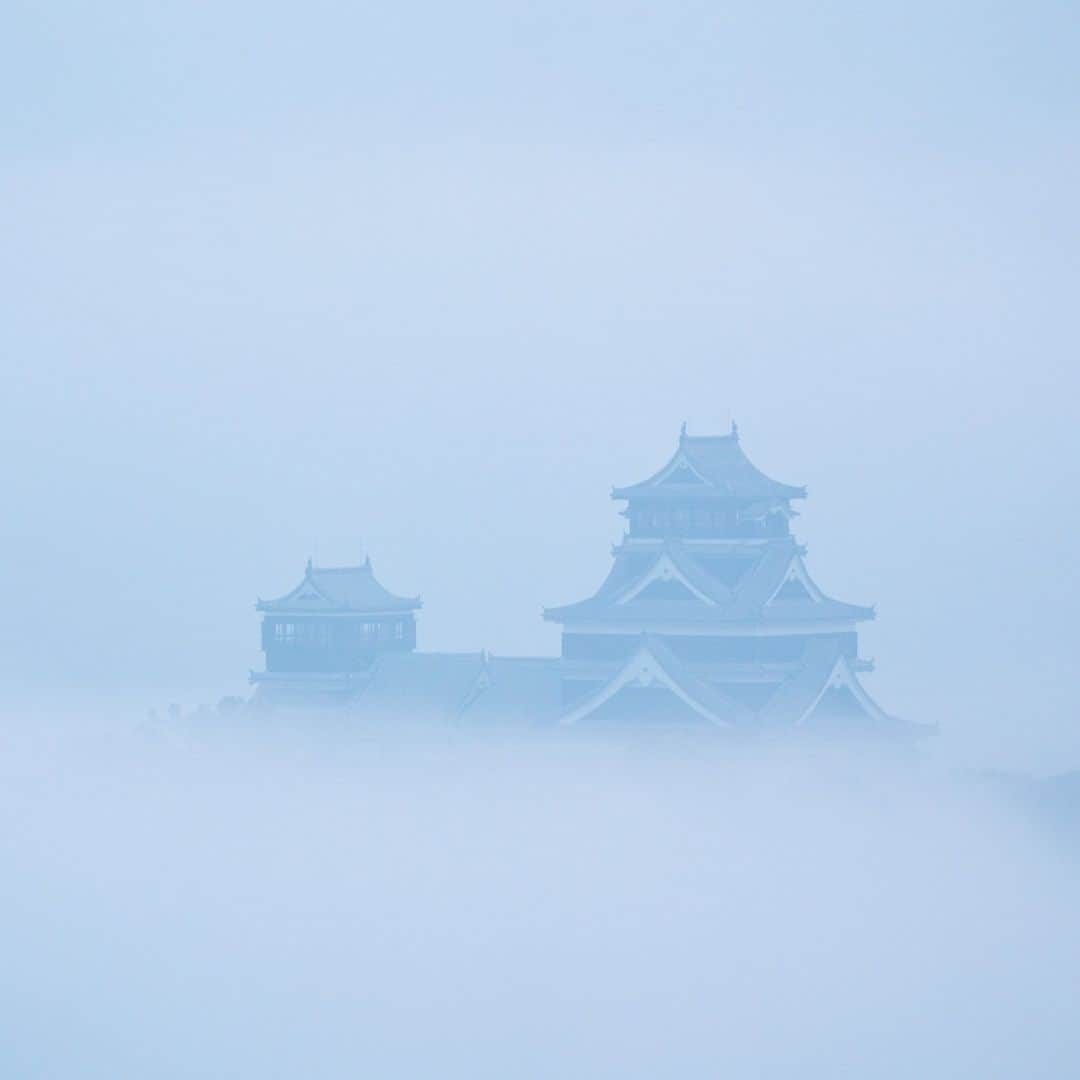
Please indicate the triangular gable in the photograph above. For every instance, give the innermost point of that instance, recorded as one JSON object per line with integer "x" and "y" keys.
{"x": 667, "y": 593}
{"x": 305, "y": 593}
{"x": 679, "y": 470}
{"x": 681, "y": 475}
{"x": 843, "y": 678}
{"x": 645, "y": 669}
{"x": 340, "y": 589}
{"x": 796, "y": 584}
{"x": 664, "y": 570}
{"x": 792, "y": 589}
{"x": 637, "y": 707}
{"x": 719, "y": 463}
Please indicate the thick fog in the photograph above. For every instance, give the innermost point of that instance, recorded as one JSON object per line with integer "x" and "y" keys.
{"x": 189, "y": 902}
{"x": 422, "y": 282}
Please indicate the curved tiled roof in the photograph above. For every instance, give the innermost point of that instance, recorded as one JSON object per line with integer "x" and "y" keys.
{"x": 424, "y": 685}
{"x": 750, "y": 599}
{"x": 792, "y": 702}
{"x": 339, "y": 589}
{"x": 448, "y": 686}
{"x": 712, "y": 466}
{"x": 797, "y": 696}
{"x": 664, "y": 667}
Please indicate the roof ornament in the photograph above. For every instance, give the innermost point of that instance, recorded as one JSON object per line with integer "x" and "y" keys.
{"x": 308, "y": 568}
{"x": 682, "y": 431}
{"x": 734, "y": 431}
{"x": 367, "y": 562}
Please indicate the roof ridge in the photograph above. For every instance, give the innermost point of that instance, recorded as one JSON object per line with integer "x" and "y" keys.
{"x": 342, "y": 589}
{"x": 721, "y": 462}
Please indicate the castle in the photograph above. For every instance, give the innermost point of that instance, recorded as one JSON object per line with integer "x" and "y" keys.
{"x": 708, "y": 617}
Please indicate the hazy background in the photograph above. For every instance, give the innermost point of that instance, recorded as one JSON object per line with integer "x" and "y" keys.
{"x": 181, "y": 904}
{"x": 424, "y": 280}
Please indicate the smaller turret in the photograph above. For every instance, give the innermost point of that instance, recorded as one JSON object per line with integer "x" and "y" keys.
{"x": 334, "y": 623}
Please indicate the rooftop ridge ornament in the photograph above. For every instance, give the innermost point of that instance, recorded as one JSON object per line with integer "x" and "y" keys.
{"x": 734, "y": 430}
{"x": 682, "y": 431}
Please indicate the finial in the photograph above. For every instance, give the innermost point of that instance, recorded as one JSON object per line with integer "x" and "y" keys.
{"x": 367, "y": 562}
{"x": 307, "y": 569}
{"x": 682, "y": 431}
{"x": 734, "y": 431}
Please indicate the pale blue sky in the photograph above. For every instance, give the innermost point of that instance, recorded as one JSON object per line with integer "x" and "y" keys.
{"x": 425, "y": 280}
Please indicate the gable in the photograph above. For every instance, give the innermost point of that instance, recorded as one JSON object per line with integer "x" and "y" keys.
{"x": 839, "y": 701}
{"x": 646, "y": 671}
{"x": 792, "y": 589}
{"x": 682, "y": 474}
{"x": 646, "y": 706}
{"x": 843, "y": 704}
{"x": 664, "y": 572}
{"x": 670, "y": 591}
{"x": 839, "y": 710}
{"x": 679, "y": 471}
{"x": 796, "y": 586}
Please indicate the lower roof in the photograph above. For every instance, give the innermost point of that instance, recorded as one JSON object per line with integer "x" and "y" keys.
{"x": 484, "y": 690}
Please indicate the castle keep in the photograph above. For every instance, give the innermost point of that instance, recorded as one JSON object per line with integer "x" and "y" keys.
{"x": 707, "y": 617}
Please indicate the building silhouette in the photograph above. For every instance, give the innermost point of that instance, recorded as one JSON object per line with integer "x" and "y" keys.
{"x": 322, "y": 638}
{"x": 707, "y": 617}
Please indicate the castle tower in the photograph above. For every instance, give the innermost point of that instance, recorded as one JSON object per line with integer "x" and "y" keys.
{"x": 709, "y": 614}
{"x": 321, "y": 639}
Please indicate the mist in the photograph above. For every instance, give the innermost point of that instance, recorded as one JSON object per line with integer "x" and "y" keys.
{"x": 186, "y": 901}
{"x": 421, "y": 284}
